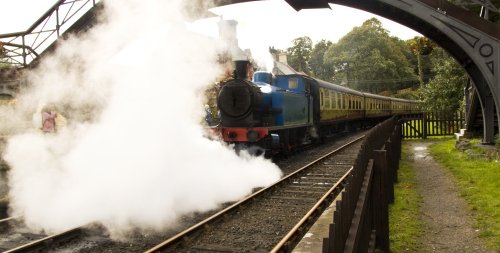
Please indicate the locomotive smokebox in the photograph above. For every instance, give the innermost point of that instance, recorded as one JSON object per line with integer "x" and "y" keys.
{"x": 240, "y": 69}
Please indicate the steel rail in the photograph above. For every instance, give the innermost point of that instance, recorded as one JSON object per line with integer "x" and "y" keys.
{"x": 5, "y": 222}
{"x": 43, "y": 243}
{"x": 284, "y": 243}
{"x": 191, "y": 230}
{"x": 9, "y": 219}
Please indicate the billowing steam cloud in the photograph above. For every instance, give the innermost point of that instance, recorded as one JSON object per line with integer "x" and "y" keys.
{"x": 133, "y": 153}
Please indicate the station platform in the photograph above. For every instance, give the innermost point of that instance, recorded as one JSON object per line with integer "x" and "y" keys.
{"x": 312, "y": 242}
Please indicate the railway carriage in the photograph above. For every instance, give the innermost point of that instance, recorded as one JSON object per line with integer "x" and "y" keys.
{"x": 401, "y": 106}
{"x": 377, "y": 106}
{"x": 338, "y": 103}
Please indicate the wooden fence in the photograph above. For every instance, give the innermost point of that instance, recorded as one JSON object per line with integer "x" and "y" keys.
{"x": 423, "y": 125}
{"x": 361, "y": 217}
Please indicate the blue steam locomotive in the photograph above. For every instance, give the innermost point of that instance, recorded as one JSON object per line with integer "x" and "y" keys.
{"x": 284, "y": 111}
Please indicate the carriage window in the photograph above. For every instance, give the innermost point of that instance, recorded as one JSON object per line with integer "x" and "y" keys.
{"x": 334, "y": 100}
{"x": 321, "y": 98}
{"x": 327, "y": 99}
{"x": 293, "y": 83}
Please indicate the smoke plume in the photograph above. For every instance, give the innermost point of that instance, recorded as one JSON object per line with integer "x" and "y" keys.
{"x": 133, "y": 152}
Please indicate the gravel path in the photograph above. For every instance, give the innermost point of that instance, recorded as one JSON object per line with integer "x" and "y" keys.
{"x": 448, "y": 222}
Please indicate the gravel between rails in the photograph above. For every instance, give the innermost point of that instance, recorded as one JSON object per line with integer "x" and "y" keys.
{"x": 14, "y": 234}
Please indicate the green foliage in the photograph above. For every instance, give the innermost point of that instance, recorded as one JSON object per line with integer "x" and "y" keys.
{"x": 411, "y": 94}
{"x": 368, "y": 59}
{"x": 2, "y": 50}
{"x": 318, "y": 68}
{"x": 478, "y": 181}
{"x": 299, "y": 54}
{"x": 2, "y": 56}
{"x": 405, "y": 225}
{"x": 420, "y": 47}
{"x": 445, "y": 91}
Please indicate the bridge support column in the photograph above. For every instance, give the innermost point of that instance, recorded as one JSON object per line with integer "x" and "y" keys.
{"x": 488, "y": 120}
{"x": 487, "y": 103}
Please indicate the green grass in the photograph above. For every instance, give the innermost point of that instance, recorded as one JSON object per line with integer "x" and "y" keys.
{"x": 478, "y": 180}
{"x": 405, "y": 225}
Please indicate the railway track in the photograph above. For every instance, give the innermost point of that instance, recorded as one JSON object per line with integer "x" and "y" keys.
{"x": 15, "y": 237}
{"x": 275, "y": 218}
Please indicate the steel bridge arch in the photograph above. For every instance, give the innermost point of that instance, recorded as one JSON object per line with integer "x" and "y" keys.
{"x": 471, "y": 40}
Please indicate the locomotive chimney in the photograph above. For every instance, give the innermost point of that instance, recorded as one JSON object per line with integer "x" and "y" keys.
{"x": 240, "y": 69}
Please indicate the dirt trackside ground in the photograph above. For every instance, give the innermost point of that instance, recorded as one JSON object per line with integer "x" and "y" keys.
{"x": 446, "y": 217}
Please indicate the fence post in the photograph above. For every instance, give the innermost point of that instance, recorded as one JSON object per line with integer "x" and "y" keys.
{"x": 398, "y": 140}
{"x": 425, "y": 127}
{"x": 391, "y": 171}
{"x": 380, "y": 204}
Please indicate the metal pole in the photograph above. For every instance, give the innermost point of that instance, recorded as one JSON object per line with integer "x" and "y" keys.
{"x": 24, "y": 52}
{"x": 57, "y": 21}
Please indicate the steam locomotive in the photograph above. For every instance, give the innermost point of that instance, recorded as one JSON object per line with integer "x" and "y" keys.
{"x": 285, "y": 111}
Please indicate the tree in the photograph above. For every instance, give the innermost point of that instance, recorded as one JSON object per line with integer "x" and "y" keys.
{"x": 368, "y": 59}
{"x": 299, "y": 54}
{"x": 2, "y": 50}
{"x": 444, "y": 93}
{"x": 317, "y": 64}
{"x": 420, "y": 46}
{"x": 3, "y": 56}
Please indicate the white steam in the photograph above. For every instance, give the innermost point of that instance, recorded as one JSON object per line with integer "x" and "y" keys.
{"x": 133, "y": 153}
{"x": 263, "y": 58}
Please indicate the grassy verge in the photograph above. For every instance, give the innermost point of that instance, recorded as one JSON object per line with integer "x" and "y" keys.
{"x": 478, "y": 180}
{"x": 405, "y": 225}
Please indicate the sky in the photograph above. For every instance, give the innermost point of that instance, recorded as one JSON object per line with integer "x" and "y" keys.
{"x": 260, "y": 24}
